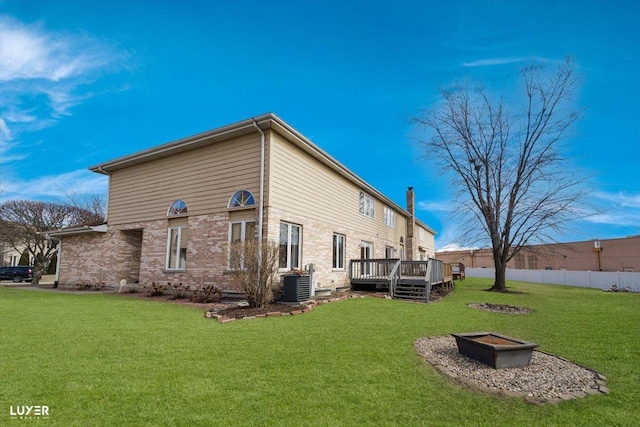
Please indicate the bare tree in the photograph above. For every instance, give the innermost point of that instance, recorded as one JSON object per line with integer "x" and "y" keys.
{"x": 24, "y": 224}
{"x": 254, "y": 266}
{"x": 91, "y": 202}
{"x": 514, "y": 187}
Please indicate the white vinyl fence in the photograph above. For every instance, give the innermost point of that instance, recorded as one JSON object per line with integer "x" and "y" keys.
{"x": 584, "y": 279}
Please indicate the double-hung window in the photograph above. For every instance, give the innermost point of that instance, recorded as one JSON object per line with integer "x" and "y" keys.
{"x": 290, "y": 246}
{"x": 389, "y": 217}
{"x": 242, "y": 230}
{"x": 177, "y": 236}
{"x": 239, "y": 232}
{"x": 177, "y": 248}
{"x": 367, "y": 205}
{"x": 338, "y": 251}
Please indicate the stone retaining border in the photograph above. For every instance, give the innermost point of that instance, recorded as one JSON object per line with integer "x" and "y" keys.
{"x": 310, "y": 305}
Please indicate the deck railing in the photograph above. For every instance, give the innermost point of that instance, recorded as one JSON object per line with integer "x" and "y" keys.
{"x": 371, "y": 269}
{"x": 432, "y": 270}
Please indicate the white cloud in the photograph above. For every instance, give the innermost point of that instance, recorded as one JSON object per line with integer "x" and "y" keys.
{"x": 56, "y": 186}
{"x": 619, "y": 209}
{"x": 5, "y": 133}
{"x": 30, "y": 52}
{"x": 489, "y": 62}
{"x": 36, "y": 62}
{"x": 455, "y": 247}
{"x": 435, "y": 206}
{"x": 621, "y": 199}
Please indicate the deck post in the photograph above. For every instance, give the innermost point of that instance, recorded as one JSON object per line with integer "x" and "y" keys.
{"x": 427, "y": 278}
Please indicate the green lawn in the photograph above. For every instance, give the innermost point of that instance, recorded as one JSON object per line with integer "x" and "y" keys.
{"x": 112, "y": 360}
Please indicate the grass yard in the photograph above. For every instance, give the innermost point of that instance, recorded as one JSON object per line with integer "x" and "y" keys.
{"x": 114, "y": 361}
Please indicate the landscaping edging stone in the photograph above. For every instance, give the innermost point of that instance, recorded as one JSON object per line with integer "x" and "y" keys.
{"x": 548, "y": 379}
{"x": 309, "y": 305}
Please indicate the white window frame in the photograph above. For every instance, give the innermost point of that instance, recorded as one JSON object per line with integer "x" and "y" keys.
{"x": 367, "y": 205}
{"x": 241, "y": 199}
{"x": 178, "y": 208}
{"x": 339, "y": 255}
{"x": 243, "y": 237}
{"x": 290, "y": 227}
{"x": 389, "y": 252}
{"x": 389, "y": 217}
{"x": 176, "y": 266}
{"x": 243, "y": 228}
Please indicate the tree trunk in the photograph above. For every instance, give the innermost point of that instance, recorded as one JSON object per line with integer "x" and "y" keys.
{"x": 500, "y": 284}
{"x": 37, "y": 275}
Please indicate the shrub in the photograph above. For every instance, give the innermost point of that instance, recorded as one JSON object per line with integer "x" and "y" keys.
{"x": 254, "y": 267}
{"x": 156, "y": 290}
{"x": 206, "y": 293}
{"x": 179, "y": 291}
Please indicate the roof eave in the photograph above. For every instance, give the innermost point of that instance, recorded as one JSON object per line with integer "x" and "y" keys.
{"x": 264, "y": 121}
{"x": 85, "y": 229}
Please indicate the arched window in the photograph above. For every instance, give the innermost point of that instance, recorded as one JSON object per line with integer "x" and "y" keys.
{"x": 179, "y": 207}
{"x": 241, "y": 198}
{"x": 177, "y": 236}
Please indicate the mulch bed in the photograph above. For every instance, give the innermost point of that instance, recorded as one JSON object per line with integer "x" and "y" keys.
{"x": 181, "y": 301}
{"x": 239, "y": 310}
{"x": 242, "y": 312}
{"x": 501, "y": 308}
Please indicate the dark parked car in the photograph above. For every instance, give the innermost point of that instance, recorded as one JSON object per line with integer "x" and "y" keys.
{"x": 17, "y": 273}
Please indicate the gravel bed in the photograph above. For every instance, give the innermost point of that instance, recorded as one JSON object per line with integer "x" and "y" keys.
{"x": 547, "y": 379}
{"x": 501, "y": 308}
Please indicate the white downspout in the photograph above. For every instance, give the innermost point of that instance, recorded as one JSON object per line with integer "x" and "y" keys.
{"x": 261, "y": 204}
{"x": 58, "y": 259}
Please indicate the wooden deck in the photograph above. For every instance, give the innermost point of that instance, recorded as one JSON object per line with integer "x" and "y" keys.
{"x": 403, "y": 279}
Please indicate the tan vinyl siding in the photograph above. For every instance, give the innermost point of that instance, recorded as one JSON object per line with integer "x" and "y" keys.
{"x": 426, "y": 241}
{"x": 205, "y": 178}
{"x": 303, "y": 186}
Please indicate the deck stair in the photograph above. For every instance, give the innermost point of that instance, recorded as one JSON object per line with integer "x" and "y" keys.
{"x": 410, "y": 280}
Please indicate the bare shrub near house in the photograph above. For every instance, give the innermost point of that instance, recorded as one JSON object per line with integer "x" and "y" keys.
{"x": 254, "y": 267}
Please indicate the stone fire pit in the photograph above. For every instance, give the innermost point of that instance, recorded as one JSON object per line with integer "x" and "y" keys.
{"x": 495, "y": 350}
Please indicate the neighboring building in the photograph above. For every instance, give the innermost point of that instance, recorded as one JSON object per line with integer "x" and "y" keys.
{"x": 595, "y": 255}
{"x": 9, "y": 257}
{"x": 173, "y": 209}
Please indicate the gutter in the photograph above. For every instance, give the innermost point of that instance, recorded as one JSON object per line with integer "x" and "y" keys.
{"x": 101, "y": 228}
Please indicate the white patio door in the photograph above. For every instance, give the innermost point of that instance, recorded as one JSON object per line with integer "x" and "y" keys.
{"x": 366, "y": 252}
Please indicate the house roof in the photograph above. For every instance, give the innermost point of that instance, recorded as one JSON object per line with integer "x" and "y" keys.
{"x": 265, "y": 121}
{"x": 82, "y": 229}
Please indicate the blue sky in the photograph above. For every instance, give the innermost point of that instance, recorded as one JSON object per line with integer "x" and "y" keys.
{"x": 83, "y": 82}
